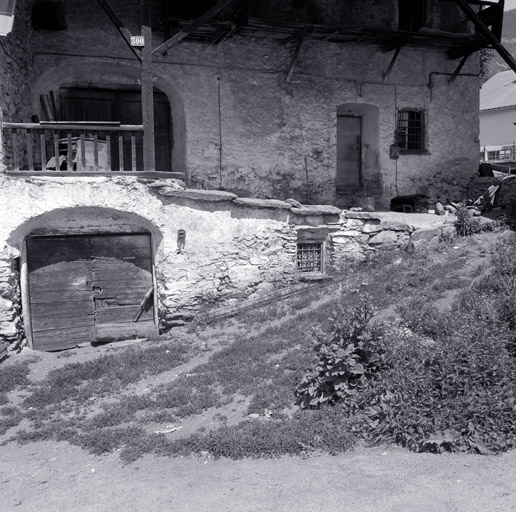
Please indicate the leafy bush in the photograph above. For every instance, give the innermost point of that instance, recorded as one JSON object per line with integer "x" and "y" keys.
{"x": 346, "y": 358}
{"x": 467, "y": 225}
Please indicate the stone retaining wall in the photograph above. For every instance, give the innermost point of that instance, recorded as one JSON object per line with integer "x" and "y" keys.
{"x": 236, "y": 248}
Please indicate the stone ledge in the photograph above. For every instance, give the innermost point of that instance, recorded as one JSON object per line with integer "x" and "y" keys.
{"x": 426, "y": 235}
{"x": 261, "y": 203}
{"x": 374, "y": 226}
{"x": 173, "y": 183}
{"x": 362, "y": 215}
{"x": 316, "y": 209}
{"x": 198, "y": 194}
{"x": 383, "y": 238}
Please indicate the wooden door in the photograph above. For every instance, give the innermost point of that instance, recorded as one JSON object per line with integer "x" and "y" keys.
{"x": 89, "y": 288}
{"x": 62, "y": 313}
{"x": 349, "y": 152}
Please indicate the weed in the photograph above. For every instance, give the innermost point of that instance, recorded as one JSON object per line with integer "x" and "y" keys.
{"x": 13, "y": 376}
{"x": 9, "y": 417}
{"x": 345, "y": 359}
{"x": 105, "y": 374}
{"x": 467, "y": 225}
{"x": 304, "y": 433}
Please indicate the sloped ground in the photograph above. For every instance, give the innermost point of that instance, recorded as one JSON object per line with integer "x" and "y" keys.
{"x": 222, "y": 374}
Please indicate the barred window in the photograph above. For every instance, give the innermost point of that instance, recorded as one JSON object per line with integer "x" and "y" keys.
{"x": 310, "y": 257}
{"x": 411, "y": 130}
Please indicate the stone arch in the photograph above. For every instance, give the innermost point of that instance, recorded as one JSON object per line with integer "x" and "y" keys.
{"x": 70, "y": 221}
{"x": 83, "y": 220}
{"x": 122, "y": 74}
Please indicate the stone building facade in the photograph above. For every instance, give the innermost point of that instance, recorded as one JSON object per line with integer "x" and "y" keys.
{"x": 236, "y": 123}
{"x": 257, "y": 116}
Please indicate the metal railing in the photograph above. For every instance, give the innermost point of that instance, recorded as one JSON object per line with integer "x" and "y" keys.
{"x": 73, "y": 146}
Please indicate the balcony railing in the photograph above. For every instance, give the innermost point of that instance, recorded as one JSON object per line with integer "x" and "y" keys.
{"x": 75, "y": 147}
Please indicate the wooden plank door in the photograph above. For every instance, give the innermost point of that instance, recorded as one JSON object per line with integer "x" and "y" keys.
{"x": 349, "y": 152}
{"x": 89, "y": 288}
{"x": 61, "y": 301}
{"x": 121, "y": 278}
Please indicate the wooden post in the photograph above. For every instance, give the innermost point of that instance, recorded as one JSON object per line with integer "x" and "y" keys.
{"x": 149, "y": 163}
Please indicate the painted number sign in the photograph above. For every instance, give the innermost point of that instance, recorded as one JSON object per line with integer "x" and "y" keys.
{"x": 137, "y": 41}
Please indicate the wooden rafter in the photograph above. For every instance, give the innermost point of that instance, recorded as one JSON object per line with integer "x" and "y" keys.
{"x": 459, "y": 68}
{"x": 207, "y": 16}
{"x": 486, "y": 32}
{"x": 117, "y": 22}
{"x": 300, "y": 39}
{"x": 391, "y": 63}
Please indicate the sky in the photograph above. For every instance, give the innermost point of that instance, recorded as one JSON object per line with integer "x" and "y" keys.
{"x": 510, "y": 4}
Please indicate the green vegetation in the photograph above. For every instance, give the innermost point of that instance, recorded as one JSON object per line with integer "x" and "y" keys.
{"x": 322, "y": 376}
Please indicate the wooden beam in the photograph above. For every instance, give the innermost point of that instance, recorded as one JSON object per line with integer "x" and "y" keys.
{"x": 300, "y": 40}
{"x": 207, "y": 16}
{"x": 484, "y": 30}
{"x": 391, "y": 63}
{"x": 117, "y": 22}
{"x": 149, "y": 161}
{"x": 458, "y": 69}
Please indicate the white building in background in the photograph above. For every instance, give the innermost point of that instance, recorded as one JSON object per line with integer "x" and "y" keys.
{"x": 497, "y": 118}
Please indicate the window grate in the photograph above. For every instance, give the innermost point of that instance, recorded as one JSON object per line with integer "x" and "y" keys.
{"x": 411, "y": 130}
{"x": 309, "y": 257}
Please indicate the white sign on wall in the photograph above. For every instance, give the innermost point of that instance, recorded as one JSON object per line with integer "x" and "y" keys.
{"x": 137, "y": 41}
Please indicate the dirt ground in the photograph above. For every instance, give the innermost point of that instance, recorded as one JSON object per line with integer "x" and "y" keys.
{"x": 52, "y": 477}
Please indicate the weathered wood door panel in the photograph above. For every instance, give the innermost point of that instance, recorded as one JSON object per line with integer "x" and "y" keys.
{"x": 60, "y": 292}
{"x": 349, "y": 151}
{"x": 89, "y": 288}
{"x": 121, "y": 276}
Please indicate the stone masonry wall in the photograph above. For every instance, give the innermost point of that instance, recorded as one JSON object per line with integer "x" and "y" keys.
{"x": 15, "y": 69}
{"x": 256, "y": 140}
{"x": 235, "y": 247}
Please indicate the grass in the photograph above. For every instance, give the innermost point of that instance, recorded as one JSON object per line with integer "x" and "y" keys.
{"x": 89, "y": 404}
{"x": 106, "y": 374}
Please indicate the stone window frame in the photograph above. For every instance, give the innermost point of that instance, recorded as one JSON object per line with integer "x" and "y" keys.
{"x": 411, "y": 132}
{"x": 316, "y": 238}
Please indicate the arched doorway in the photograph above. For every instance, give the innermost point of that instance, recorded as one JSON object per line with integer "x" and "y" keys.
{"x": 87, "y": 280}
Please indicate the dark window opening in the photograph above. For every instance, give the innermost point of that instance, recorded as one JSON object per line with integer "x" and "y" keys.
{"x": 124, "y": 106}
{"x": 411, "y": 130}
{"x": 191, "y": 9}
{"x": 48, "y": 15}
{"x": 412, "y": 14}
{"x": 310, "y": 257}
